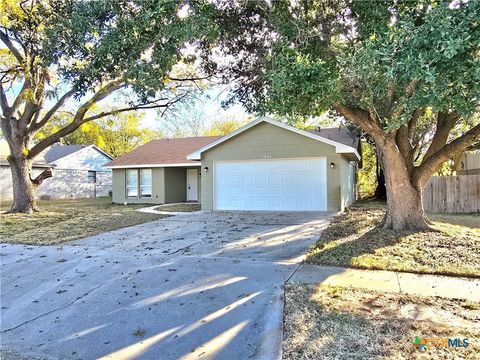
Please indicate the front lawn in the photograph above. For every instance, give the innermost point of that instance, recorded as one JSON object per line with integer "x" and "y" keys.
{"x": 183, "y": 207}
{"x": 353, "y": 240}
{"x": 64, "y": 220}
{"x": 323, "y": 322}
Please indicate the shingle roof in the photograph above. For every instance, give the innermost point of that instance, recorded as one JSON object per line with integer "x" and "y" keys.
{"x": 163, "y": 151}
{"x": 56, "y": 152}
{"x": 340, "y": 134}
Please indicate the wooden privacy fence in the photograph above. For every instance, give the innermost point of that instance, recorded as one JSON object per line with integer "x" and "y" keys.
{"x": 452, "y": 194}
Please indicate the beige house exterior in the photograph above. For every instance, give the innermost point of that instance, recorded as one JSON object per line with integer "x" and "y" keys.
{"x": 265, "y": 165}
{"x": 158, "y": 172}
{"x": 268, "y": 141}
{"x": 168, "y": 186}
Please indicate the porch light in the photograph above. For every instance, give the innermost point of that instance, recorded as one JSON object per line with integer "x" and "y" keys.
{"x": 205, "y": 169}
{"x": 332, "y": 165}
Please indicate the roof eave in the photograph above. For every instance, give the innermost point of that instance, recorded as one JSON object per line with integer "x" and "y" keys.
{"x": 142, "y": 166}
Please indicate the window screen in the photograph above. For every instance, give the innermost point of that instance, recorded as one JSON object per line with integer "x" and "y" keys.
{"x": 132, "y": 183}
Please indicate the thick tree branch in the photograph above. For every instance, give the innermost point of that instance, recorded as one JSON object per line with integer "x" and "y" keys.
{"x": 417, "y": 114}
{"x": 361, "y": 118}
{"x": 445, "y": 123}
{"x": 431, "y": 164}
{"x": 4, "y": 102}
{"x": 6, "y": 40}
{"x": 20, "y": 97}
{"x": 38, "y": 125}
{"x": 78, "y": 119}
{"x": 405, "y": 146}
{"x": 138, "y": 107}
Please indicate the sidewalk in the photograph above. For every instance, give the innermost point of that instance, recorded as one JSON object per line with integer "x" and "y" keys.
{"x": 390, "y": 281}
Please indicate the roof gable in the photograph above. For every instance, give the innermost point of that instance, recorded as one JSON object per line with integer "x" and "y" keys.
{"x": 56, "y": 152}
{"x": 340, "y": 147}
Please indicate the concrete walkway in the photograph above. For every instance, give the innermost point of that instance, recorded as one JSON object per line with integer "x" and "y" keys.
{"x": 154, "y": 209}
{"x": 390, "y": 281}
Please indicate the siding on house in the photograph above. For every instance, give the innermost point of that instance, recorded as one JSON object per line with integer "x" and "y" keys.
{"x": 169, "y": 185}
{"x": 266, "y": 141}
{"x": 175, "y": 185}
{"x": 70, "y": 177}
{"x": 120, "y": 193}
{"x": 348, "y": 183}
{"x": 70, "y": 183}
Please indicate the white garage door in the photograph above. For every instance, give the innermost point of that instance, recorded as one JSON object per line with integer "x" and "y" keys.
{"x": 299, "y": 185}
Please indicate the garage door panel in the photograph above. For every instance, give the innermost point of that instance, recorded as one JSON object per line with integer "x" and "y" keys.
{"x": 271, "y": 185}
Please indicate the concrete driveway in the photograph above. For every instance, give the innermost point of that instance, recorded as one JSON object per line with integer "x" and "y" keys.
{"x": 193, "y": 286}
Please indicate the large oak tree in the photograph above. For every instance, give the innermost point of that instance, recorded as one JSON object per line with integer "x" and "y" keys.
{"x": 406, "y": 72}
{"x": 80, "y": 53}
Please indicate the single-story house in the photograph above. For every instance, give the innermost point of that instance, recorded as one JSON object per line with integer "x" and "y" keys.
{"x": 78, "y": 172}
{"x": 264, "y": 165}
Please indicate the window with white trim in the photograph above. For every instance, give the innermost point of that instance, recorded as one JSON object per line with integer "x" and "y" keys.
{"x": 132, "y": 183}
{"x": 146, "y": 182}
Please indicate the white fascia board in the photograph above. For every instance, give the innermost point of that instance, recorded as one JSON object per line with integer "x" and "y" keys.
{"x": 350, "y": 150}
{"x": 339, "y": 147}
{"x": 152, "y": 166}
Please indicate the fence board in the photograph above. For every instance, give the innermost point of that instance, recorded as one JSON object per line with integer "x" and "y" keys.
{"x": 452, "y": 194}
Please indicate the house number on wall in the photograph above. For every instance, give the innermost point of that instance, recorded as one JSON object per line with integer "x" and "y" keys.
{"x": 265, "y": 157}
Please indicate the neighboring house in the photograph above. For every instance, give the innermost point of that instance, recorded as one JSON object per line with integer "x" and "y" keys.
{"x": 264, "y": 165}
{"x": 469, "y": 163}
{"x": 78, "y": 172}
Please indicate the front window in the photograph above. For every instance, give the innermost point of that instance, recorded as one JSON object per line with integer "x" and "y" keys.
{"x": 146, "y": 182}
{"x": 92, "y": 177}
{"x": 132, "y": 183}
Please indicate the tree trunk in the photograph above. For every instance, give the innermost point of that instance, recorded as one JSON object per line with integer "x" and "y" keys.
{"x": 23, "y": 188}
{"x": 404, "y": 199}
{"x": 380, "y": 190}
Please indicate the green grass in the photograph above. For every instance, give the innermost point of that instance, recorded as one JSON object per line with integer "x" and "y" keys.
{"x": 65, "y": 220}
{"x": 323, "y": 322}
{"x": 185, "y": 207}
{"x": 354, "y": 240}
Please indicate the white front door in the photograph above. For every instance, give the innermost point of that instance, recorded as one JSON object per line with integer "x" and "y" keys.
{"x": 283, "y": 184}
{"x": 192, "y": 185}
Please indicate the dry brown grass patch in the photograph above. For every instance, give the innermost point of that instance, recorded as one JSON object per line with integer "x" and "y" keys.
{"x": 353, "y": 239}
{"x": 340, "y": 323}
{"x": 65, "y": 220}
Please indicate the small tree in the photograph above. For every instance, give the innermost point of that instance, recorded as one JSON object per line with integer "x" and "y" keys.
{"x": 82, "y": 52}
{"x": 406, "y": 72}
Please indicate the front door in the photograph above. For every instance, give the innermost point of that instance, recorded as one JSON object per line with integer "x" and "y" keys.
{"x": 192, "y": 185}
